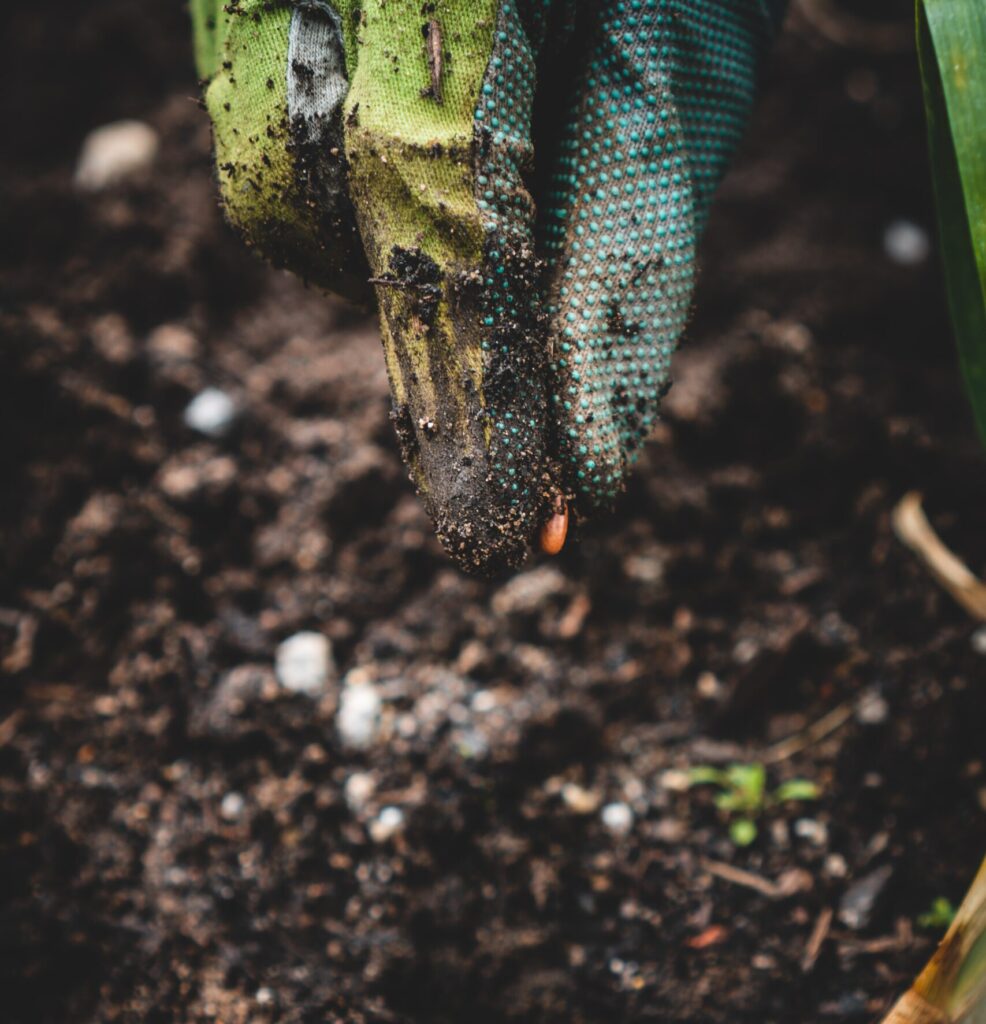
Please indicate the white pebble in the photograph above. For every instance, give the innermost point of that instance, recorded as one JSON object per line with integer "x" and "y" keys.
{"x": 211, "y": 412}
{"x": 618, "y": 818}
{"x": 359, "y": 789}
{"x": 388, "y": 823}
{"x": 303, "y": 663}
{"x": 484, "y": 701}
{"x": 115, "y": 152}
{"x": 814, "y": 831}
{"x": 358, "y": 718}
{"x": 264, "y": 996}
{"x": 978, "y": 640}
{"x": 872, "y": 709}
{"x": 232, "y": 806}
{"x": 906, "y": 243}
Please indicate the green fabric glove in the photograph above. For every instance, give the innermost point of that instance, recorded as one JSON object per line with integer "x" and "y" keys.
{"x": 528, "y": 347}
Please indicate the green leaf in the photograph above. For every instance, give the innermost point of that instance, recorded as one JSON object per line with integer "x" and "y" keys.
{"x": 951, "y": 45}
{"x": 706, "y": 775}
{"x": 731, "y": 800}
{"x": 742, "y": 831}
{"x": 748, "y": 782}
{"x": 796, "y": 789}
{"x": 940, "y": 916}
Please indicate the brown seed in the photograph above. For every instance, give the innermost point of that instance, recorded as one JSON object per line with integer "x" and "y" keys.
{"x": 555, "y": 530}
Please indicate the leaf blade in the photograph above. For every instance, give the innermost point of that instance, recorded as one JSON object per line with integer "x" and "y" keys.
{"x": 951, "y": 40}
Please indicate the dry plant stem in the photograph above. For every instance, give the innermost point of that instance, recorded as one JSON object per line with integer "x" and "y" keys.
{"x": 913, "y": 529}
{"x": 818, "y": 730}
{"x": 738, "y": 876}
{"x": 817, "y": 938}
{"x": 952, "y": 987}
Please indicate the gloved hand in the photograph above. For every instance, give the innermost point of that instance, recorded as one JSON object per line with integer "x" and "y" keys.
{"x": 528, "y": 346}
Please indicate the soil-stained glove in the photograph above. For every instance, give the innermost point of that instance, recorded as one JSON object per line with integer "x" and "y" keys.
{"x": 528, "y": 347}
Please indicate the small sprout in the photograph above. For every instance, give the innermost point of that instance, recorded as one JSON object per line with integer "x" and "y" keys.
{"x": 796, "y": 789}
{"x": 939, "y": 917}
{"x": 742, "y": 794}
{"x": 742, "y": 831}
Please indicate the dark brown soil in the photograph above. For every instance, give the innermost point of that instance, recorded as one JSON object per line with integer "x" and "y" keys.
{"x": 147, "y": 575}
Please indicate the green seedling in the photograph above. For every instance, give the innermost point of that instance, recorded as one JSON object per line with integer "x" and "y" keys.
{"x": 939, "y": 917}
{"x": 742, "y": 795}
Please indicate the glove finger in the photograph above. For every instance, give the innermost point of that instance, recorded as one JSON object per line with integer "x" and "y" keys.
{"x": 438, "y": 137}
{"x": 660, "y": 106}
{"x": 277, "y": 77}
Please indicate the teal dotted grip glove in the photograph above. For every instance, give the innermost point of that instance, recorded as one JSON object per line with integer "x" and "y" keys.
{"x": 661, "y": 102}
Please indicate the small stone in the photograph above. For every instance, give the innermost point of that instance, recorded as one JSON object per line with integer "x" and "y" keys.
{"x": 303, "y": 663}
{"x": 617, "y": 818}
{"x": 780, "y": 834}
{"x": 172, "y": 343}
{"x": 471, "y": 744}
{"x": 836, "y": 866}
{"x": 669, "y": 830}
{"x": 359, "y": 790}
{"x": 264, "y": 996}
{"x": 978, "y": 640}
{"x": 814, "y": 831}
{"x": 527, "y": 593}
{"x": 708, "y": 686}
{"x": 676, "y": 780}
{"x": 578, "y": 799}
{"x": 388, "y": 823}
{"x": 211, "y": 412}
{"x": 484, "y": 701}
{"x": 358, "y": 718}
{"x": 906, "y": 243}
{"x": 183, "y": 478}
{"x": 111, "y": 338}
{"x": 115, "y": 152}
{"x": 646, "y": 567}
{"x": 745, "y": 651}
{"x": 859, "y": 900}
{"x": 872, "y": 709}
{"x": 232, "y": 806}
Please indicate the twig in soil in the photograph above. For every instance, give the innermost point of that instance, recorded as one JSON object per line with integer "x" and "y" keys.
{"x": 788, "y": 884}
{"x": 913, "y": 529}
{"x": 818, "y": 936}
{"x": 850, "y": 945}
{"x": 855, "y": 33}
{"x": 21, "y": 652}
{"x": 825, "y": 725}
{"x": 9, "y": 726}
{"x": 747, "y": 879}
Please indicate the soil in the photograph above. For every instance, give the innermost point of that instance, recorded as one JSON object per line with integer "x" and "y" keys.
{"x": 178, "y": 839}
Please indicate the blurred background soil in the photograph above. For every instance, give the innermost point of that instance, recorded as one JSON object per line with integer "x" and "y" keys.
{"x": 185, "y": 839}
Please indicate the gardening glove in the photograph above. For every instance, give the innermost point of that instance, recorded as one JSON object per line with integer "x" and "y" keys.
{"x": 527, "y": 347}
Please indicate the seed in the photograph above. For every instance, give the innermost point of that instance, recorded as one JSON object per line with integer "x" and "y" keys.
{"x": 555, "y": 530}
